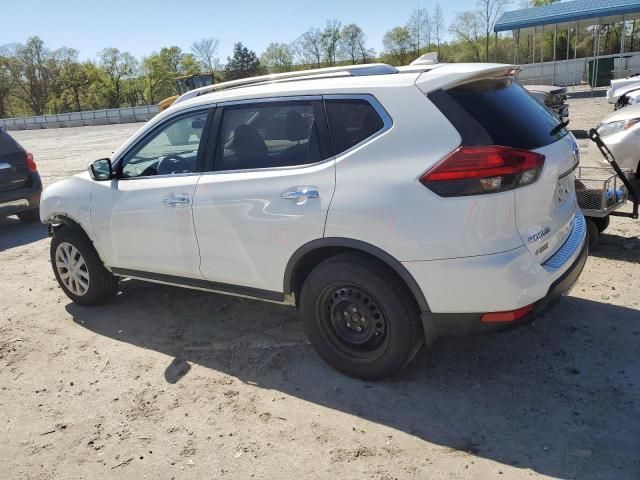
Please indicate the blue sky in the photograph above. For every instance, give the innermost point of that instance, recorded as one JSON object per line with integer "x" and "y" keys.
{"x": 142, "y": 26}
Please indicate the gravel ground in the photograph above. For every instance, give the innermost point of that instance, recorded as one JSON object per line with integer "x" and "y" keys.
{"x": 171, "y": 383}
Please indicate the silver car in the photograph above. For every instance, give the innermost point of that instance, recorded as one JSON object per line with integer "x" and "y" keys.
{"x": 620, "y": 131}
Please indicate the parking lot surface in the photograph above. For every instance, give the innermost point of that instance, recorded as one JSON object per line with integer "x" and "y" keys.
{"x": 172, "y": 383}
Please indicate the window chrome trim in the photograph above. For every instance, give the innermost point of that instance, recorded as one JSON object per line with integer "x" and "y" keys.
{"x": 165, "y": 121}
{"x": 167, "y": 175}
{"x": 269, "y": 169}
{"x": 278, "y": 99}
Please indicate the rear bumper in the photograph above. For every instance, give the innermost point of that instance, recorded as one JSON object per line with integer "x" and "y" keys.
{"x": 21, "y": 199}
{"x": 459, "y": 291}
{"x": 448, "y": 324}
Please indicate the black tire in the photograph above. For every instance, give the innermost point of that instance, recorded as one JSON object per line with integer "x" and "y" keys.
{"x": 602, "y": 223}
{"x": 30, "y": 216}
{"x": 350, "y": 291}
{"x": 102, "y": 284}
{"x": 593, "y": 233}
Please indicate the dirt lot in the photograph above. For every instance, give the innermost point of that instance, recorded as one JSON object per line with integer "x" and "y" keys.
{"x": 170, "y": 383}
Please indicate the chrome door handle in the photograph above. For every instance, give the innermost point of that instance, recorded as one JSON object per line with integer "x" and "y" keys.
{"x": 176, "y": 198}
{"x": 301, "y": 195}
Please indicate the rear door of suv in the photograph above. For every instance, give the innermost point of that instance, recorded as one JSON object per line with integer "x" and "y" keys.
{"x": 13, "y": 166}
{"x": 499, "y": 112}
{"x": 268, "y": 187}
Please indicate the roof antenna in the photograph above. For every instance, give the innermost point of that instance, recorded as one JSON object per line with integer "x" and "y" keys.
{"x": 430, "y": 58}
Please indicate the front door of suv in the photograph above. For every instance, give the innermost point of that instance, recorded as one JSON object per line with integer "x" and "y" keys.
{"x": 142, "y": 219}
{"x": 267, "y": 193}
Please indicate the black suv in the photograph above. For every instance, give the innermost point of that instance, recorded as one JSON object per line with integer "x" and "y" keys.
{"x": 20, "y": 185}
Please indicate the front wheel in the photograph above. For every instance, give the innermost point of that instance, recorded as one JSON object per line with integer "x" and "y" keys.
{"x": 359, "y": 318}
{"x": 79, "y": 270}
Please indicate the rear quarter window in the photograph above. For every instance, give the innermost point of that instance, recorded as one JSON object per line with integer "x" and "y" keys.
{"x": 497, "y": 112}
{"x": 351, "y": 122}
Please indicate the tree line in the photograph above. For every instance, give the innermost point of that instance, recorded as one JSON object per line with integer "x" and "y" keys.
{"x": 36, "y": 80}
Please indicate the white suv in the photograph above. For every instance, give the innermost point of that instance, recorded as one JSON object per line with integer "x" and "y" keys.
{"x": 392, "y": 206}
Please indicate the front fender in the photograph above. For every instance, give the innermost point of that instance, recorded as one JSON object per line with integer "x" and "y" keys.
{"x": 69, "y": 199}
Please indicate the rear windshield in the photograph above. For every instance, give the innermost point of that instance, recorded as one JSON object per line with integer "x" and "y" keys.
{"x": 8, "y": 144}
{"x": 498, "y": 112}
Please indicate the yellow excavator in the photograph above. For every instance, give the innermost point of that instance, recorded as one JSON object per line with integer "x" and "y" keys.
{"x": 184, "y": 84}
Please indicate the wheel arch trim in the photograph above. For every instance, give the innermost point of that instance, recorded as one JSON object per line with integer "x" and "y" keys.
{"x": 55, "y": 219}
{"x": 356, "y": 245}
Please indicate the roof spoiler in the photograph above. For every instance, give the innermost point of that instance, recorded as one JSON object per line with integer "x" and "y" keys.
{"x": 453, "y": 74}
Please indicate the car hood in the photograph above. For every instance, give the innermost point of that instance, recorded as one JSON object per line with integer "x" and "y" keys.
{"x": 628, "y": 88}
{"x": 626, "y": 113}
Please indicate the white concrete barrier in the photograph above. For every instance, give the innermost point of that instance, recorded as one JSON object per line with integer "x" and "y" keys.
{"x": 80, "y": 119}
{"x": 574, "y": 71}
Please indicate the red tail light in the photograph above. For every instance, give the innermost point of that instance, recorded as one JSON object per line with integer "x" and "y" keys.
{"x": 483, "y": 169}
{"x": 31, "y": 165}
{"x": 511, "y": 316}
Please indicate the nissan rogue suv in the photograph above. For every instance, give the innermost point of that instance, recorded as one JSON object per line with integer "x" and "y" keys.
{"x": 392, "y": 206}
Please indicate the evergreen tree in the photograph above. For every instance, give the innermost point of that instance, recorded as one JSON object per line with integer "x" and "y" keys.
{"x": 243, "y": 64}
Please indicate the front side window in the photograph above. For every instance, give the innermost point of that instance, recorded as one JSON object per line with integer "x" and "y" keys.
{"x": 351, "y": 122}
{"x": 171, "y": 150}
{"x": 268, "y": 135}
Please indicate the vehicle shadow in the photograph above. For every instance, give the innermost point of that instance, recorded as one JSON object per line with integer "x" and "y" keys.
{"x": 595, "y": 93}
{"x": 580, "y": 134}
{"x": 558, "y": 396}
{"x": 14, "y": 233}
{"x": 616, "y": 247}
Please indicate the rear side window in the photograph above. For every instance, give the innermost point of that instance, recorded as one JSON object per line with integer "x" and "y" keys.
{"x": 497, "y": 112}
{"x": 351, "y": 122}
{"x": 268, "y": 135}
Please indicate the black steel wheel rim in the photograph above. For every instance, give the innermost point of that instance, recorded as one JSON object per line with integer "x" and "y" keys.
{"x": 353, "y": 321}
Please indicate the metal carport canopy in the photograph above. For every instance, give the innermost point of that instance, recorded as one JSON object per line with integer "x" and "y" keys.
{"x": 564, "y": 12}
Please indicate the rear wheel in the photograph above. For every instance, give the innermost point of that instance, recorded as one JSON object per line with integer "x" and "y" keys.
{"x": 79, "y": 270}
{"x": 30, "y": 216}
{"x": 360, "y": 320}
{"x": 602, "y": 223}
{"x": 593, "y": 232}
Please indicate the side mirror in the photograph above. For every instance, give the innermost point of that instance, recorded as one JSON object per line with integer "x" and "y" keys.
{"x": 100, "y": 170}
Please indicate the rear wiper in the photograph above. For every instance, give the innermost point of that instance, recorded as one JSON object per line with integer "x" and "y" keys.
{"x": 559, "y": 127}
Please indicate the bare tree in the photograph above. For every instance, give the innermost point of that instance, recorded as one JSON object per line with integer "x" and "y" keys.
{"x": 205, "y": 51}
{"x": 352, "y": 43}
{"x": 467, "y": 27}
{"x": 329, "y": 40}
{"x": 489, "y": 11}
{"x": 419, "y": 26}
{"x": 437, "y": 25}
{"x": 308, "y": 48}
